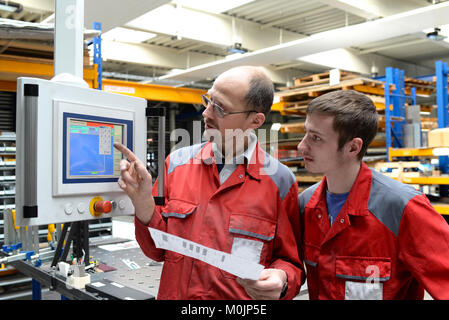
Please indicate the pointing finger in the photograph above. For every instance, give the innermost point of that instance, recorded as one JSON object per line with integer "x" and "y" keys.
{"x": 126, "y": 152}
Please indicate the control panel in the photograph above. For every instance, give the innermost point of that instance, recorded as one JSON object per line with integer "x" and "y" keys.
{"x": 67, "y": 167}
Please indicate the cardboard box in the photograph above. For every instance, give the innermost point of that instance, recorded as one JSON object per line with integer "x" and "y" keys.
{"x": 438, "y": 138}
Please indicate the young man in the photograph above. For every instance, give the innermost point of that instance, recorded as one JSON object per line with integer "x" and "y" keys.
{"x": 366, "y": 236}
{"x": 238, "y": 206}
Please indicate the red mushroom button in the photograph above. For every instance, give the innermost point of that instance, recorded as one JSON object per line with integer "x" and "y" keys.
{"x": 103, "y": 206}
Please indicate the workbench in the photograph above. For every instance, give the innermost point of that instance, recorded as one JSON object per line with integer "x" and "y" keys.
{"x": 129, "y": 267}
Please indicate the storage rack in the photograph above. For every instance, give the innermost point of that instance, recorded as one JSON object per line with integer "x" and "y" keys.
{"x": 404, "y": 154}
{"x": 293, "y": 103}
{"x": 7, "y": 175}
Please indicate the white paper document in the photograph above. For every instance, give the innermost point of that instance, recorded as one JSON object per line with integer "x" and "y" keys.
{"x": 233, "y": 264}
{"x": 120, "y": 246}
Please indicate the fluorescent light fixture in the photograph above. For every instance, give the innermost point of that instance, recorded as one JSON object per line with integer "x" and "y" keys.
{"x": 441, "y": 151}
{"x": 276, "y": 126}
{"x": 213, "y": 6}
{"x": 10, "y": 6}
{"x": 4, "y": 7}
{"x": 127, "y": 35}
{"x": 440, "y": 33}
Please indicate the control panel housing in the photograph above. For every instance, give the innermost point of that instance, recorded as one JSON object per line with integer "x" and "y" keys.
{"x": 66, "y": 161}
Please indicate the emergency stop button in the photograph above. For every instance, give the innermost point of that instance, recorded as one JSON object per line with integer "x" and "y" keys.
{"x": 98, "y": 206}
{"x": 103, "y": 206}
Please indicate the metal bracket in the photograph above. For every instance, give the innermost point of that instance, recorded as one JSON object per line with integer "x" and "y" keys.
{"x": 160, "y": 114}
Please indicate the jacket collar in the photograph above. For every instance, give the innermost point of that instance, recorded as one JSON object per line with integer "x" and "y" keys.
{"x": 357, "y": 202}
{"x": 253, "y": 166}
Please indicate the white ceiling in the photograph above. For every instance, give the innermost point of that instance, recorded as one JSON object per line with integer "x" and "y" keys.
{"x": 289, "y": 37}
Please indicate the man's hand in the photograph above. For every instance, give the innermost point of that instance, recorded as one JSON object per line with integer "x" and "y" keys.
{"x": 268, "y": 287}
{"x": 137, "y": 184}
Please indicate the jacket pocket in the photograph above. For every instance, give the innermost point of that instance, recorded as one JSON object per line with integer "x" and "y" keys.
{"x": 178, "y": 209}
{"x": 252, "y": 226}
{"x": 252, "y": 237}
{"x": 176, "y": 212}
{"x": 363, "y": 276}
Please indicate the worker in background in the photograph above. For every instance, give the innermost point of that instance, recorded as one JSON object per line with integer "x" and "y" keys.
{"x": 366, "y": 236}
{"x": 220, "y": 194}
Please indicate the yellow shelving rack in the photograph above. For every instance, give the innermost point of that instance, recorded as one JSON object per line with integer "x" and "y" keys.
{"x": 441, "y": 208}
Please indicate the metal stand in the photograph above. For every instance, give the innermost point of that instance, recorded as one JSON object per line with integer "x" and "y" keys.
{"x": 79, "y": 236}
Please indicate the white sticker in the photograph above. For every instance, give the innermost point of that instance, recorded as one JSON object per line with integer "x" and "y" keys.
{"x": 131, "y": 264}
{"x": 247, "y": 249}
{"x": 118, "y": 285}
{"x": 363, "y": 290}
{"x": 98, "y": 284}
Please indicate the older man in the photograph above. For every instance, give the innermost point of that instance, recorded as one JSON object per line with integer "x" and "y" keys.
{"x": 221, "y": 194}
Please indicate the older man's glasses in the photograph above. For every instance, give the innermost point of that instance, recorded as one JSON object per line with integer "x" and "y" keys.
{"x": 219, "y": 110}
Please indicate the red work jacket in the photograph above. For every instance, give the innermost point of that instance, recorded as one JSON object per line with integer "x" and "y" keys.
{"x": 387, "y": 242}
{"x": 258, "y": 202}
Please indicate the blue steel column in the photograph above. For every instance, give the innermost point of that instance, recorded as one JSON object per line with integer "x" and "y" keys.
{"x": 388, "y": 82}
{"x": 398, "y": 105}
{"x": 36, "y": 290}
{"x": 397, "y": 99}
{"x": 98, "y": 60}
{"x": 441, "y": 71}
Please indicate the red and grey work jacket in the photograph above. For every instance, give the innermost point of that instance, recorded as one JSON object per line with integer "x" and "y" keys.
{"x": 386, "y": 243}
{"x": 256, "y": 206}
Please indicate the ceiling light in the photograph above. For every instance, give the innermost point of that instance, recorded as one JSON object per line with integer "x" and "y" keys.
{"x": 127, "y": 35}
{"x": 435, "y": 35}
{"x": 237, "y": 48}
{"x": 10, "y": 6}
{"x": 176, "y": 70}
{"x": 213, "y": 6}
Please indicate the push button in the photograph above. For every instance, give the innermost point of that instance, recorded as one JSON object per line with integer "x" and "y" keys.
{"x": 98, "y": 206}
{"x": 103, "y": 206}
{"x": 81, "y": 207}
{"x": 68, "y": 209}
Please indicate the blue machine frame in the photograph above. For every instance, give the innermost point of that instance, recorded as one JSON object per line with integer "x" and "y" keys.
{"x": 98, "y": 60}
{"x": 397, "y": 98}
{"x": 441, "y": 71}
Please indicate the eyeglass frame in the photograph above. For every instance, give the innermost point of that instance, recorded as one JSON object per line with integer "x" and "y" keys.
{"x": 219, "y": 110}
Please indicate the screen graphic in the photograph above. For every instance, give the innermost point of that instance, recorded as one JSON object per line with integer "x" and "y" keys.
{"x": 91, "y": 150}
